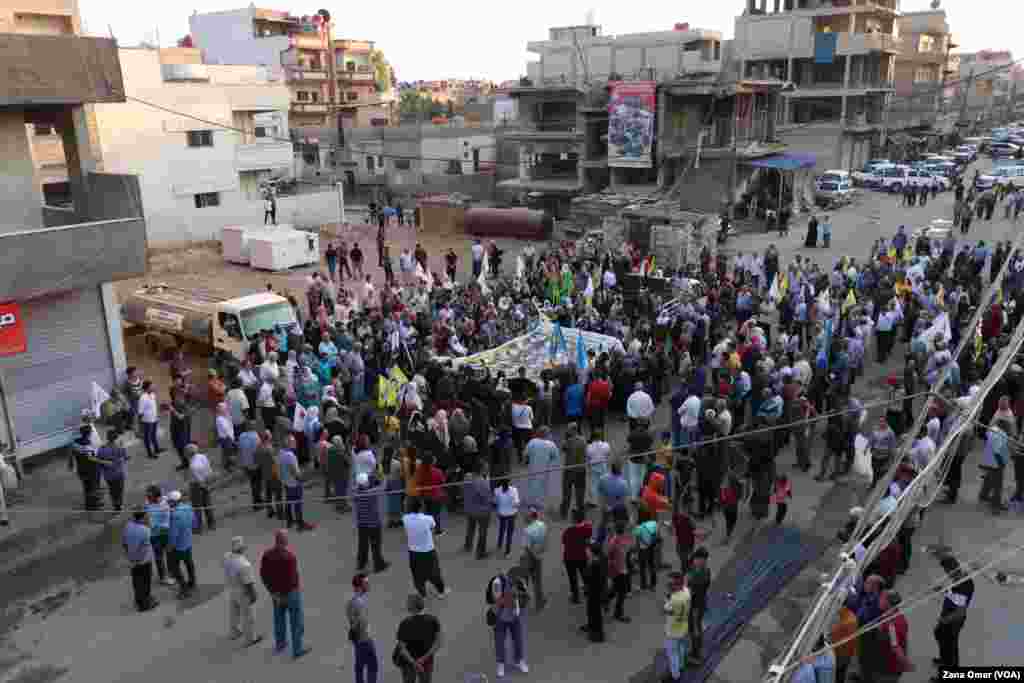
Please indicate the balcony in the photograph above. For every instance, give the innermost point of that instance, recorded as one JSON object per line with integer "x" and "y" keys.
{"x": 65, "y": 70}
{"x": 260, "y": 156}
{"x": 188, "y": 73}
{"x": 84, "y": 248}
{"x": 861, "y": 43}
{"x": 694, "y": 62}
{"x": 309, "y": 107}
{"x": 361, "y": 73}
{"x": 307, "y": 41}
{"x": 294, "y": 73}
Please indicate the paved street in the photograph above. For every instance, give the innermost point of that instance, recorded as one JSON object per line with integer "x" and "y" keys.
{"x": 71, "y": 618}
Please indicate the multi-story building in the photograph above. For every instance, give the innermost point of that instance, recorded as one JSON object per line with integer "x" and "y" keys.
{"x": 985, "y": 83}
{"x": 921, "y": 69}
{"x": 840, "y": 55}
{"x": 296, "y": 48}
{"x": 200, "y": 168}
{"x": 60, "y": 318}
{"x": 365, "y": 98}
{"x": 562, "y": 106}
{"x": 327, "y": 78}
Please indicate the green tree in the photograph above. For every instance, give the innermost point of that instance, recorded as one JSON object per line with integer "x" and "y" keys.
{"x": 381, "y": 70}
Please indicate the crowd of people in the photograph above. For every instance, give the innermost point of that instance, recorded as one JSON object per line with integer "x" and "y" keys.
{"x": 452, "y": 438}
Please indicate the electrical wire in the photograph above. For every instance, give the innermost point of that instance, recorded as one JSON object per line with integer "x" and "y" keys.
{"x": 903, "y": 609}
{"x": 563, "y": 468}
{"x": 789, "y": 129}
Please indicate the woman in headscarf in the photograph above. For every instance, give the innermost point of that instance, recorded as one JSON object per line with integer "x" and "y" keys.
{"x": 365, "y": 460}
{"x": 312, "y": 429}
{"x": 358, "y": 370}
{"x": 339, "y": 472}
{"x": 308, "y": 390}
{"x": 291, "y": 367}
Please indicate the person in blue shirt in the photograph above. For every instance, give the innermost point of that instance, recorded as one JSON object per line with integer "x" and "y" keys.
{"x": 112, "y": 459}
{"x": 159, "y": 514}
{"x": 135, "y": 539}
{"x": 612, "y": 491}
{"x": 574, "y": 396}
{"x": 899, "y": 241}
{"x": 180, "y": 540}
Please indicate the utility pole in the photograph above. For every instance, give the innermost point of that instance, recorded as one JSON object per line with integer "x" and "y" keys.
{"x": 962, "y": 121}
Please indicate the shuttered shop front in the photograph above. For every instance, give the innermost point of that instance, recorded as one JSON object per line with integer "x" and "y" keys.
{"x": 68, "y": 349}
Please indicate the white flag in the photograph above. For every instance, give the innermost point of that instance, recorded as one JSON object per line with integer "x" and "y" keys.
{"x": 299, "y": 421}
{"x": 99, "y": 397}
{"x": 520, "y": 267}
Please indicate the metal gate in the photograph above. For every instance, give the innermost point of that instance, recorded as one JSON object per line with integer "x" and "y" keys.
{"x": 49, "y": 385}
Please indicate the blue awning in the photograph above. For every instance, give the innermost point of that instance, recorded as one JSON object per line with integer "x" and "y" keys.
{"x": 785, "y": 162}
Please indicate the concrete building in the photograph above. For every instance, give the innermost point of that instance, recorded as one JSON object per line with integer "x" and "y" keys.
{"x": 582, "y": 55}
{"x": 60, "y": 328}
{"x": 364, "y": 100}
{"x": 407, "y": 159}
{"x": 562, "y": 107}
{"x": 921, "y": 70}
{"x": 841, "y": 58}
{"x": 201, "y": 169}
{"x": 985, "y": 84}
{"x": 326, "y": 77}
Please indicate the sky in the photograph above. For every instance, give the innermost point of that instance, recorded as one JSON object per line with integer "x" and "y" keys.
{"x": 469, "y": 39}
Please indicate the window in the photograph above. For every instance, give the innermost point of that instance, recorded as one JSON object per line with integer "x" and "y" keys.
{"x": 42, "y": 129}
{"x": 350, "y": 66}
{"x": 401, "y": 164}
{"x": 207, "y": 199}
{"x": 229, "y": 323}
{"x": 351, "y": 96}
{"x": 302, "y": 96}
{"x": 314, "y": 97}
{"x": 200, "y": 138}
{"x": 926, "y": 43}
{"x": 261, "y": 132}
{"x": 922, "y": 75}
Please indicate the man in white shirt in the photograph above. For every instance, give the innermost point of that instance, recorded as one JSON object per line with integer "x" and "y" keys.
{"x": 639, "y": 405}
{"x": 200, "y": 473}
{"x": 608, "y": 279}
{"x": 241, "y": 583}
{"x": 423, "y": 562}
{"x": 238, "y": 404}
{"x": 689, "y": 417}
{"x": 149, "y": 417}
{"x": 269, "y": 370}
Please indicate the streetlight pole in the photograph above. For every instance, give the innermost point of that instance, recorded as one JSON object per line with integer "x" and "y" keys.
{"x": 341, "y": 205}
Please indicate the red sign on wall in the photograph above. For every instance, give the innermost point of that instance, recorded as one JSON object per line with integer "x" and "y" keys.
{"x": 12, "y": 330}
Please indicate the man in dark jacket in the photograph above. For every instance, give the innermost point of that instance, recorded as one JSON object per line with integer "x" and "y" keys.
{"x": 369, "y": 522}
{"x": 84, "y": 462}
{"x": 478, "y": 502}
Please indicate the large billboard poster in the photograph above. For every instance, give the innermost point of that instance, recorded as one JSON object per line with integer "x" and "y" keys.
{"x": 631, "y": 124}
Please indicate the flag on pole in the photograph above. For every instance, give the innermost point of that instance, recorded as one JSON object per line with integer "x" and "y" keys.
{"x": 850, "y": 302}
{"x": 581, "y": 351}
{"x": 999, "y": 296}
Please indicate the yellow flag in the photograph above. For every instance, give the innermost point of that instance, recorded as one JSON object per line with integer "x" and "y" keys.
{"x": 784, "y": 285}
{"x": 892, "y": 253}
{"x": 908, "y": 255}
{"x": 850, "y": 302}
{"x": 978, "y": 342}
{"x": 999, "y": 296}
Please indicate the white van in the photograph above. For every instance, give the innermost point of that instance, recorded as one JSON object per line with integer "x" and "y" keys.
{"x": 1002, "y": 175}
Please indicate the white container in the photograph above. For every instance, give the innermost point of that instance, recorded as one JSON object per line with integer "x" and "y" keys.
{"x": 283, "y": 249}
{"x": 234, "y": 240}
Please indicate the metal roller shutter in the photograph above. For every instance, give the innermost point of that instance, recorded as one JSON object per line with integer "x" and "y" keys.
{"x": 68, "y": 349}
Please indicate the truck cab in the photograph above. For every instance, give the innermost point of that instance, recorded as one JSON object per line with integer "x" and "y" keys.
{"x": 239, "y": 322}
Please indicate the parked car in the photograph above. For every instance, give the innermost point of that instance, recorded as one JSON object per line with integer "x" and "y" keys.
{"x": 866, "y": 175}
{"x": 919, "y": 176}
{"x": 1001, "y": 175}
{"x": 1003, "y": 149}
{"x": 833, "y": 192}
{"x": 894, "y": 178}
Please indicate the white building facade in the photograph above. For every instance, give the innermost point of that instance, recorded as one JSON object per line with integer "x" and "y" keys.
{"x": 200, "y": 167}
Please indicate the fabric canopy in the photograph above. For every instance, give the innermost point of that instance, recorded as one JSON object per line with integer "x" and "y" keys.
{"x": 786, "y": 162}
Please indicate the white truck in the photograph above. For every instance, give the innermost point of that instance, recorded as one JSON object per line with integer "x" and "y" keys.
{"x": 227, "y": 325}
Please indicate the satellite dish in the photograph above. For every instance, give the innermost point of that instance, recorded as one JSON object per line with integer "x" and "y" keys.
{"x": 936, "y": 3}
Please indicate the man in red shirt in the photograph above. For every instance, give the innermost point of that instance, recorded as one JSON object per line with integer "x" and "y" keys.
{"x": 599, "y": 394}
{"x": 575, "y": 540}
{"x": 892, "y": 639}
{"x": 619, "y": 546}
{"x": 279, "y": 570}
